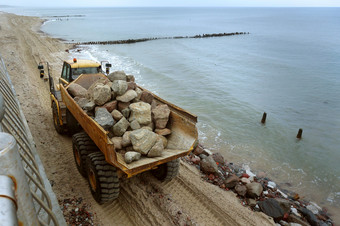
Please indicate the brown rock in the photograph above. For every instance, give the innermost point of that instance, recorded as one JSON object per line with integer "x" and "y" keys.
{"x": 208, "y": 165}
{"x": 146, "y": 97}
{"x": 163, "y": 132}
{"x": 160, "y": 116}
{"x": 131, "y": 86}
{"x": 122, "y": 105}
{"x": 241, "y": 189}
{"x": 231, "y": 181}
{"x": 218, "y": 158}
{"x": 110, "y": 106}
{"x": 251, "y": 202}
{"x": 295, "y": 219}
{"x": 116, "y": 115}
{"x": 117, "y": 142}
{"x": 130, "y": 78}
{"x": 254, "y": 189}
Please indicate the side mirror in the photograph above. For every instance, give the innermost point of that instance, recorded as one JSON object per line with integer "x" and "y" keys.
{"x": 108, "y": 65}
{"x": 40, "y": 67}
{"x": 108, "y": 68}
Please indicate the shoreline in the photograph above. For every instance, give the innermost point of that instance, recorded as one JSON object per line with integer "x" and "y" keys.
{"x": 60, "y": 53}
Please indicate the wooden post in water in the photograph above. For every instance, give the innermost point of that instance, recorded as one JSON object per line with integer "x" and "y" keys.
{"x": 264, "y": 117}
{"x": 299, "y": 135}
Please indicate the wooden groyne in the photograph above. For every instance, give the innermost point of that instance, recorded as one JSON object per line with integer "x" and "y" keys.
{"x": 131, "y": 41}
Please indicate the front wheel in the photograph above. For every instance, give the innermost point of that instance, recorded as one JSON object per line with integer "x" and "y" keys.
{"x": 167, "y": 171}
{"x": 58, "y": 127}
{"x": 102, "y": 178}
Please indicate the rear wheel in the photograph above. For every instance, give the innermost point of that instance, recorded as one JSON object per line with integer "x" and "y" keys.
{"x": 58, "y": 127}
{"x": 82, "y": 147}
{"x": 167, "y": 171}
{"x": 102, "y": 178}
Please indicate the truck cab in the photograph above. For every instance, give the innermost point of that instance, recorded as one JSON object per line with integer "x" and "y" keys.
{"x": 72, "y": 69}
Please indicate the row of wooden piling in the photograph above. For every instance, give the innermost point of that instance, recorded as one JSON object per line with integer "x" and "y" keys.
{"x": 130, "y": 41}
{"x": 263, "y": 121}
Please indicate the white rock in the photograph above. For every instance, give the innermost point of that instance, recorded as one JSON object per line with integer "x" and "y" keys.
{"x": 314, "y": 207}
{"x": 271, "y": 184}
{"x": 131, "y": 156}
{"x": 141, "y": 112}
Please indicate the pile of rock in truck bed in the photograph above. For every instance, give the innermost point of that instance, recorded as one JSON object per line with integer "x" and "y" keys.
{"x": 135, "y": 122}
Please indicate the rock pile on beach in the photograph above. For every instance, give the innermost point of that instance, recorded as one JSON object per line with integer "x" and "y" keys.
{"x": 256, "y": 191}
{"x": 136, "y": 123}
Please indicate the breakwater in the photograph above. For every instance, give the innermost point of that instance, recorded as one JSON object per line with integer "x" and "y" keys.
{"x": 131, "y": 41}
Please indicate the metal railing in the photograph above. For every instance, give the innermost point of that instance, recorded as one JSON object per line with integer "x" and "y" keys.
{"x": 12, "y": 121}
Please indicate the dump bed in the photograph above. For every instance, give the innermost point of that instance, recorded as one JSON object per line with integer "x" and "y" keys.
{"x": 181, "y": 141}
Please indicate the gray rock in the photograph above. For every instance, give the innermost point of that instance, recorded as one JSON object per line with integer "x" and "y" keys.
{"x": 117, "y": 75}
{"x": 272, "y": 208}
{"x": 126, "y": 141}
{"x": 231, "y": 181}
{"x": 309, "y": 216}
{"x": 161, "y": 115}
{"x": 104, "y": 118}
{"x": 143, "y": 140}
{"x": 241, "y": 189}
{"x": 163, "y": 132}
{"x": 119, "y": 87}
{"x": 120, "y": 127}
{"x": 157, "y": 149}
{"x": 208, "y": 165}
{"x": 126, "y": 112}
{"x": 312, "y": 206}
{"x": 82, "y": 102}
{"x": 89, "y": 94}
{"x": 116, "y": 115}
{"x": 77, "y": 90}
{"x": 141, "y": 112}
{"x": 285, "y": 204}
{"x": 254, "y": 189}
{"x": 134, "y": 125}
{"x": 89, "y": 106}
{"x": 101, "y": 94}
{"x": 128, "y": 96}
{"x": 117, "y": 142}
{"x": 131, "y": 156}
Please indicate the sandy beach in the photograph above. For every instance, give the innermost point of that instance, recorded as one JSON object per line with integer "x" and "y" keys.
{"x": 186, "y": 200}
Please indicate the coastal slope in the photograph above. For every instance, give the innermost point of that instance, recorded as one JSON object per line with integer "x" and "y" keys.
{"x": 186, "y": 200}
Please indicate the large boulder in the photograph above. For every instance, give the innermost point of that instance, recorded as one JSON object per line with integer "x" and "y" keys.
{"x": 110, "y": 106}
{"x": 104, "y": 118}
{"x": 117, "y": 75}
{"x": 120, "y": 127}
{"x": 119, "y": 87}
{"x": 143, "y": 140}
{"x": 157, "y": 149}
{"x": 77, "y": 90}
{"x": 208, "y": 165}
{"x": 131, "y": 156}
{"x": 127, "y": 97}
{"x": 254, "y": 189}
{"x": 102, "y": 81}
{"x": 82, "y": 101}
{"x": 101, "y": 94}
{"x": 141, "y": 112}
{"x": 272, "y": 208}
{"x": 161, "y": 115}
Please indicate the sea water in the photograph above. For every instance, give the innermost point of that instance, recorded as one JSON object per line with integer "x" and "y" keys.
{"x": 288, "y": 66}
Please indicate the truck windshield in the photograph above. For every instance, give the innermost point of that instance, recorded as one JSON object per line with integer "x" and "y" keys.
{"x": 85, "y": 70}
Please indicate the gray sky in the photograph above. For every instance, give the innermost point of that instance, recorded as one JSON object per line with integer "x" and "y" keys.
{"x": 198, "y": 3}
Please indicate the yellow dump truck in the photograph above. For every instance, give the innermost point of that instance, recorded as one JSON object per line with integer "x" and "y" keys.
{"x": 94, "y": 152}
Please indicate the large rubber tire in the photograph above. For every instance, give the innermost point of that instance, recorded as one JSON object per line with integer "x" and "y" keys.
{"x": 72, "y": 124}
{"x": 167, "y": 171}
{"x": 59, "y": 128}
{"x": 102, "y": 178}
{"x": 82, "y": 146}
